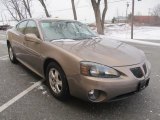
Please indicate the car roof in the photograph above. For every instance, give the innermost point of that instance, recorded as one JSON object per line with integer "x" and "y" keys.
{"x": 48, "y": 19}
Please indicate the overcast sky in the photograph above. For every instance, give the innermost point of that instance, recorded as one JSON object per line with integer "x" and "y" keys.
{"x": 62, "y": 8}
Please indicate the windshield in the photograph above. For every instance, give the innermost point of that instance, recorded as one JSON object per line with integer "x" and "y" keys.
{"x": 56, "y": 30}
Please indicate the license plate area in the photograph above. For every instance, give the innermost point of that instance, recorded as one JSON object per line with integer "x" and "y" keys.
{"x": 143, "y": 84}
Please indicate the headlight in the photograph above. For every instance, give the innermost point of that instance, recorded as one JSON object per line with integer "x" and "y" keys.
{"x": 98, "y": 70}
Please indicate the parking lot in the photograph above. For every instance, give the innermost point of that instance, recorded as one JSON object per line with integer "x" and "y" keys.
{"x": 23, "y": 97}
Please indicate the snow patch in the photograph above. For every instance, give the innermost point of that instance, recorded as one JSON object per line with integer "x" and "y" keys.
{"x": 63, "y": 40}
{"x": 44, "y": 92}
{"x": 3, "y": 42}
{"x": 123, "y": 31}
{"x": 134, "y": 41}
{"x": 41, "y": 88}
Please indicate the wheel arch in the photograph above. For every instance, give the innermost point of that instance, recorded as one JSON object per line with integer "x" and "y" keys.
{"x": 47, "y": 61}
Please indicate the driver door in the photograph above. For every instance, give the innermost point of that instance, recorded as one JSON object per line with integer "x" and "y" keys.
{"x": 33, "y": 56}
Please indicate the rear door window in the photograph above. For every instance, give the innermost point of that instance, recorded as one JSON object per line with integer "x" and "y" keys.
{"x": 21, "y": 26}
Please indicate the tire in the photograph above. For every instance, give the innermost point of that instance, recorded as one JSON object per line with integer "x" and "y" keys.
{"x": 11, "y": 54}
{"x": 57, "y": 82}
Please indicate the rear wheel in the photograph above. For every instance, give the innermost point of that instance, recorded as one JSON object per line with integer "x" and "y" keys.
{"x": 57, "y": 81}
{"x": 11, "y": 55}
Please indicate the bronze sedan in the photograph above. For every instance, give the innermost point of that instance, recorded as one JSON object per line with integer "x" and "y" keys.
{"x": 75, "y": 61}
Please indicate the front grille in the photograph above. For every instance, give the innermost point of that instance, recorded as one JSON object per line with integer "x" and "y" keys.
{"x": 145, "y": 68}
{"x": 137, "y": 72}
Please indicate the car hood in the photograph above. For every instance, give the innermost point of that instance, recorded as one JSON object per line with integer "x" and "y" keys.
{"x": 104, "y": 51}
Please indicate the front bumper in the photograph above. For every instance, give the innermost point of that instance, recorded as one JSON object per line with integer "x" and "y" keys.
{"x": 110, "y": 88}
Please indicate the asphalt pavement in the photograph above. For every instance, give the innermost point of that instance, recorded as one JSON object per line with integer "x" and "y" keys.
{"x": 38, "y": 104}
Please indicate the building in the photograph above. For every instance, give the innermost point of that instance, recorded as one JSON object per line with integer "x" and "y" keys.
{"x": 120, "y": 19}
{"x": 147, "y": 20}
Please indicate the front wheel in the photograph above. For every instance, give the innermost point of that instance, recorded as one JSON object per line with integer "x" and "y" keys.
{"x": 57, "y": 81}
{"x": 11, "y": 55}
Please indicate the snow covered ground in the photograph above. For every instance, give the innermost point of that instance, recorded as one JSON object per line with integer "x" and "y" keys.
{"x": 123, "y": 31}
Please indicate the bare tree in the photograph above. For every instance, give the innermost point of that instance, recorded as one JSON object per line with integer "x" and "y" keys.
{"x": 156, "y": 10}
{"x": 15, "y": 8}
{"x": 100, "y": 19}
{"x": 45, "y": 7}
{"x": 27, "y": 6}
{"x": 74, "y": 10}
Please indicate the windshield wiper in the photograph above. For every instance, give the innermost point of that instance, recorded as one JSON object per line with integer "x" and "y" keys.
{"x": 82, "y": 38}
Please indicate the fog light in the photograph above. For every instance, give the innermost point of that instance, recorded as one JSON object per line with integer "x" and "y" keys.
{"x": 93, "y": 94}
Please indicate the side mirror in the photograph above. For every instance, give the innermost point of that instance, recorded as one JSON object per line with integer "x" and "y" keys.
{"x": 32, "y": 38}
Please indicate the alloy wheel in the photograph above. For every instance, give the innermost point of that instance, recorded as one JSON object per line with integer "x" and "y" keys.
{"x": 55, "y": 80}
{"x": 11, "y": 53}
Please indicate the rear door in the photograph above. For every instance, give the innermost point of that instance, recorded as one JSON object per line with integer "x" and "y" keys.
{"x": 33, "y": 56}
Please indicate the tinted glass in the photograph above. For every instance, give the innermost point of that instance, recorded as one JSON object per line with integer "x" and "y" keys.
{"x": 32, "y": 28}
{"x": 21, "y": 26}
{"x": 55, "y": 30}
